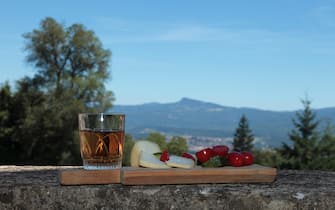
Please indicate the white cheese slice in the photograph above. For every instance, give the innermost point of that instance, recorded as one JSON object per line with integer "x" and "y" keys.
{"x": 139, "y": 146}
{"x": 150, "y": 161}
{"x": 180, "y": 162}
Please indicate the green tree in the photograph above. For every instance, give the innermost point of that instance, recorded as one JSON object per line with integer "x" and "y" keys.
{"x": 5, "y": 104}
{"x": 71, "y": 62}
{"x": 324, "y": 157}
{"x": 158, "y": 138}
{"x": 7, "y": 145}
{"x": 72, "y": 67}
{"x": 304, "y": 138}
{"x": 127, "y": 147}
{"x": 243, "y": 137}
{"x": 268, "y": 157}
{"x": 177, "y": 146}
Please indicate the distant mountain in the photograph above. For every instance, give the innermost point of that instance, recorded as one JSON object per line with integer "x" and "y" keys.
{"x": 198, "y": 118}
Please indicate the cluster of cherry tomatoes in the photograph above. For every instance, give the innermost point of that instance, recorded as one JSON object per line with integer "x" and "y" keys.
{"x": 233, "y": 158}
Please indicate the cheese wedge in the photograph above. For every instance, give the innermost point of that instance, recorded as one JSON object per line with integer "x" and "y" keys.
{"x": 150, "y": 161}
{"x": 180, "y": 162}
{"x": 139, "y": 146}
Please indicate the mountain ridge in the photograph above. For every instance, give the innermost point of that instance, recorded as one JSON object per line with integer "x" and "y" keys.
{"x": 183, "y": 99}
{"x": 199, "y": 118}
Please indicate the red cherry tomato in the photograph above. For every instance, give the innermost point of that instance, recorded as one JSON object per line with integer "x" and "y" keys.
{"x": 204, "y": 155}
{"x": 235, "y": 159}
{"x": 165, "y": 156}
{"x": 221, "y": 150}
{"x": 248, "y": 158}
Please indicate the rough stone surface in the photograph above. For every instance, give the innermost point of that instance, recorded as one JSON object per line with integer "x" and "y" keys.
{"x": 36, "y": 187}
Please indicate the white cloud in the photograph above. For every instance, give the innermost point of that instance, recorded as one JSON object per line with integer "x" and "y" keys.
{"x": 118, "y": 31}
{"x": 121, "y": 31}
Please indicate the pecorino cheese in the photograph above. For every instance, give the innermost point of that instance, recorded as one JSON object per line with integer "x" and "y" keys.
{"x": 142, "y": 146}
{"x": 150, "y": 161}
{"x": 180, "y": 162}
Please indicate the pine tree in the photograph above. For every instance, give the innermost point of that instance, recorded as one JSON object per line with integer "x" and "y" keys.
{"x": 324, "y": 158}
{"x": 304, "y": 137}
{"x": 243, "y": 137}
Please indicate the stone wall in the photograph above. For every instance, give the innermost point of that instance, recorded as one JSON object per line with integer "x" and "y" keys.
{"x": 36, "y": 187}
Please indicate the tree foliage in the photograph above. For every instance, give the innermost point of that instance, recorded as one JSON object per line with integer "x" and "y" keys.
{"x": 304, "y": 138}
{"x": 324, "y": 156}
{"x": 268, "y": 157}
{"x": 71, "y": 62}
{"x": 158, "y": 138}
{"x": 243, "y": 137}
{"x": 177, "y": 145}
{"x": 72, "y": 68}
{"x": 127, "y": 147}
{"x": 7, "y": 145}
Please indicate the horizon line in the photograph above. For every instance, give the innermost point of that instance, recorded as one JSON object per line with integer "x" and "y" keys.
{"x": 224, "y": 106}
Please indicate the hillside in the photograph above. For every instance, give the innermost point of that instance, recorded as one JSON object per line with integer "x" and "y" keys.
{"x": 198, "y": 118}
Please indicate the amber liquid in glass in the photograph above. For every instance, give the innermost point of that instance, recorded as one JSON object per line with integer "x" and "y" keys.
{"x": 101, "y": 149}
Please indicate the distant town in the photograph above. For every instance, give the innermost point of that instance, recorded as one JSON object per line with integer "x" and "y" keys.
{"x": 196, "y": 143}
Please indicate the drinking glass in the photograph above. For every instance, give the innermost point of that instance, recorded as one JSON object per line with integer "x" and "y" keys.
{"x": 101, "y": 140}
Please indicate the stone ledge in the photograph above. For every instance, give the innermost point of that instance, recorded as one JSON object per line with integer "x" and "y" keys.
{"x": 37, "y": 187}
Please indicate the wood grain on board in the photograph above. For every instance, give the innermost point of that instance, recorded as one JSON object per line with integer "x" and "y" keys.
{"x": 147, "y": 176}
{"x": 82, "y": 176}
{"x": 247, "y": 174}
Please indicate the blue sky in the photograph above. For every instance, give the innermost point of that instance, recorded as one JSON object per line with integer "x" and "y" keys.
{"x": 263, "y": 54}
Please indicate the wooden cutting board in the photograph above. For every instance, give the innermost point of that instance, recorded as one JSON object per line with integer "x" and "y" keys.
{"x": 146, "y": 176}
{"x": 81, "y": 176}
{"x": 247, "y": 174}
